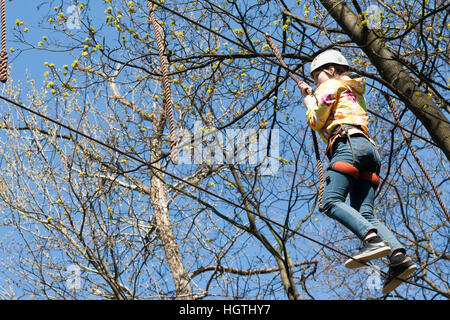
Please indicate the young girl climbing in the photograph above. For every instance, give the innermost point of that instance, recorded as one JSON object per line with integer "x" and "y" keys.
{"x": 337, "y": 110}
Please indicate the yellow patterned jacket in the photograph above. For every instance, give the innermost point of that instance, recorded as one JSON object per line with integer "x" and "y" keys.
{"x": 339, "y": 101}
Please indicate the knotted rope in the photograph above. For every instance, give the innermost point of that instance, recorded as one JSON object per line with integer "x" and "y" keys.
{"x": 166, "y": 84}
{"x": 316, "y": 146}
{"x": 433, "y": 186}
{"x": 3, "y": 52}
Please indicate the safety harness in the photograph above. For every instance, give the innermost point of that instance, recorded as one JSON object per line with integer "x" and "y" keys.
{"x": 346, "y": 131}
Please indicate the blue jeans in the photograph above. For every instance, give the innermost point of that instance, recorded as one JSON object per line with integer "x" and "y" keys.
{"x": 358, "y": 217}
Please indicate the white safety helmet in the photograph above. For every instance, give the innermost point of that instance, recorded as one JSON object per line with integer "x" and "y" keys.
{"x": 328, "y": 57}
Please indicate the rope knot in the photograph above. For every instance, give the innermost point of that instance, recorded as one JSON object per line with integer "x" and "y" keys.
{"x": 3, "y": 66}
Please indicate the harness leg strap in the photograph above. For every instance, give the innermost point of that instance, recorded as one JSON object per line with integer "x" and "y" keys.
{"x": 370, "y": 176}
{"x": 345, "y": 168}
{"x": 351, "y": 170}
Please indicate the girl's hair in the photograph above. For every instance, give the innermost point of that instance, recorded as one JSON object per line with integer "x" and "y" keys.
{"x": 340, "y": 70}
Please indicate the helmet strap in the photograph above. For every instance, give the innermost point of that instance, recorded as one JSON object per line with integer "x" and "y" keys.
{"x": 328, "y": 72}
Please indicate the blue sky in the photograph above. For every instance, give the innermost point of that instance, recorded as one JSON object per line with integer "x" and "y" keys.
{"x": 32, "y": 62}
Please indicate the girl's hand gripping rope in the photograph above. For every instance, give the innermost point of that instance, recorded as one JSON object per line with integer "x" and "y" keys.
{"x": 310, "y": 100}
{"x": 305, "y": 88}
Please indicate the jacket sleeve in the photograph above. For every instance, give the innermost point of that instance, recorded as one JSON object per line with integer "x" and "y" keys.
{"x": 327, "y": 95}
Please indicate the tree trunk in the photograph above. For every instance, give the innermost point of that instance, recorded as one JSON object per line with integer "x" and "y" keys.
{"x": 392, "y": 71}
{"x": 287, "y": 278}
{"x": 164, "y": 227}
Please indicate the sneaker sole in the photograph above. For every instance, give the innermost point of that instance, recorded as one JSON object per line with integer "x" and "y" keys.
{"x": 359, "y": 260}
{"x": 398, "y": 281}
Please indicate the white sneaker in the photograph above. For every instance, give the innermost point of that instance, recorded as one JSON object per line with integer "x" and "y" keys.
{"x": 374, "y": 249}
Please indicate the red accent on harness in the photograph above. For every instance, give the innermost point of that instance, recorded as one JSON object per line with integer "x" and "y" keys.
{"x": 347, "y": 168}
{"x": 370, "y": 176}
{"x": 351, "y": 170}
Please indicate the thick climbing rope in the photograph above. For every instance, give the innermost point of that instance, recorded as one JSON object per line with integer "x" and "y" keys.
{"x": 314, "y": 137}
{"x": 433, "y": 186}
{"x": 3, "y": 51}
{"x": 168, "y": 102}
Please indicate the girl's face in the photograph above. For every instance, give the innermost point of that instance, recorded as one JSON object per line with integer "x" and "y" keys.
{"x": 322, "y": 75}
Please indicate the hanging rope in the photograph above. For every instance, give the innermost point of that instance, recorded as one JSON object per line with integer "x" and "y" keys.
{"x": 166, "y": 83}
{"x": 3, "y": 52}
{"x": 319, "y": 169}
{"x": 314, "y": 137}
{"x": 433, "y": 186}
